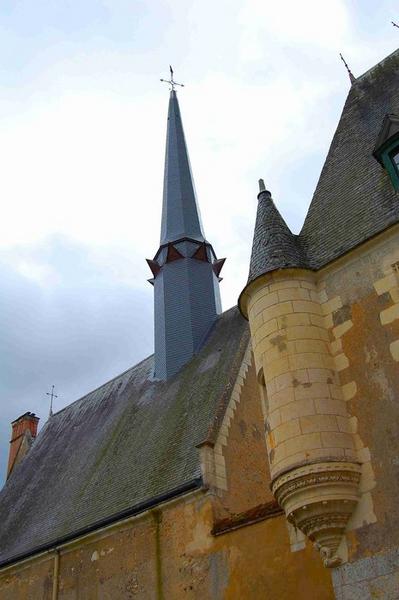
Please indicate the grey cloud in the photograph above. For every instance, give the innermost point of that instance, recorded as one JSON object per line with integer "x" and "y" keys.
{"x": 77, "y": 331}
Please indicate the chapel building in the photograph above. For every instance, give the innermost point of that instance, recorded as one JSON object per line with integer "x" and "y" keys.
{"x": 256, "y": 453}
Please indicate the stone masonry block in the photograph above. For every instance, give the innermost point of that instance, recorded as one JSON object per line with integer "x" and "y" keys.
{"x": 349, "y": 390}
{"x": 299, "y": 408}
{"x": 318, "y": 346}
{"x": 322, "y": 294}
{"x": 287, "y": 430}
{"x": 337, "y": 440}
{"x": 265, "y": 330}
{"x": 351, "y": 454}
{"x": 389, "y": 314}
{"x": 307, "y": 332}
{"x": 344, "y": 424}
{"x": 336, "y": 346}
{"x": 394, "y": 292}
{"x": 367, "y": 480}
{"x": 290, "y": 461}
{"x": 321, "y": 375}
{"x": 293, "y": 294}
{"x": 312, "y": 390}
{"x": 320, "y": 321}
{"x": 274, "y": 419}
{"x": 328, "y": 406}
{"x": 364, "y": 455}
{"x": 283, "y": 381}
{"x": 331, "y": 305}
{"x": 385, "y": 284}
{"x": 281, "y": 398}
{"x": 306, "y": 306}
{"x": 364, "y": 513}
{"x": 307, "y": 360}
{"x": 293, "y": 320}
{"x": 276, "y": 368}
{"x": 308, "y": 285}
{"x": 314, "y": 423}
{"x": 341, "y": 362}
{"x": 394, "y": 349}
{"x": 335, "y": 391}
{"x": 340, "y": 330}
{"x": 302, "y": 443}
{"x": 277, "y": 310}
{"x": 262, "y": 303}
{"x": 284, "y": 284}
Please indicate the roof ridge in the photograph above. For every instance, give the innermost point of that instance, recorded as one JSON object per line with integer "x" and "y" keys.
{"x": 378, "y": 64}
{"x": 127, "y": 370}
{"x": 103, "y": 384}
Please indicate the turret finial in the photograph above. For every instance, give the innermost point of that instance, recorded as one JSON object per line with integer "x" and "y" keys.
{"x": 351, "y": 75}
{"x": 262, "y": 188}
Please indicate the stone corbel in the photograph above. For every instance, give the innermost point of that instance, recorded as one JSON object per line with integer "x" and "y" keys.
{"x": 319, "y": 499}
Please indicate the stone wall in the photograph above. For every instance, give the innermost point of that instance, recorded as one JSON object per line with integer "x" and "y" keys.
{"x": 171, "y": 554}
{"x": 363, "y": 289}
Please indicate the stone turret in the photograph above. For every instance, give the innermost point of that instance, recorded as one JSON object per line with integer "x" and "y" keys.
{"x": 185, "y": 268}
{"x": 313, "y": 467}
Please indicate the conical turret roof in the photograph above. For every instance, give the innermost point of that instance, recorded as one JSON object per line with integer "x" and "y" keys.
{"x": 274, "y": 245}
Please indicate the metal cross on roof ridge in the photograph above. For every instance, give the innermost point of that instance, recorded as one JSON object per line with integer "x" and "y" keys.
{"x": 171, "y": 81}
{"x": 52, "y": 396}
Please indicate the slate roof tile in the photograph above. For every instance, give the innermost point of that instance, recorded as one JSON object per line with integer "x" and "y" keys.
{"x": 130, "y": 440}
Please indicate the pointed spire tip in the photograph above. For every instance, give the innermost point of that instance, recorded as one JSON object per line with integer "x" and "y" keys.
{"x": 351, "y": 75}
{"x": 262, "y": 188}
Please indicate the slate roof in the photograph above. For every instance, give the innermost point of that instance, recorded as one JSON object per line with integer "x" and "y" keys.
{"x": 129, "y": 441}
{"x": 274, "y": 246}
{"x": 354, "y": 198}
{"x": 180, "y": 213}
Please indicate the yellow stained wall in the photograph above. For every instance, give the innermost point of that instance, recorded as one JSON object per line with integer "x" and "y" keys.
{"x": 176, "y": 557}
{"x": 170, "y": 552}
{"x": 362, "y": 290}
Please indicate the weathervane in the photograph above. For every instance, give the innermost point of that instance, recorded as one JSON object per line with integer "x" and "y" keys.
{"x": 171, "y": 81}
{"x": 52, "y": 396}
{"x": 351, "y": 75}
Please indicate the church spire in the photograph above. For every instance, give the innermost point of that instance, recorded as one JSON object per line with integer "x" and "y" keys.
{"x": 185, "y": 268}
{"x": 180, "y": 213}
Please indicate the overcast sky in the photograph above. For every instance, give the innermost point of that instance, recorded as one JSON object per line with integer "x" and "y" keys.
{"x": 82, "y": 135}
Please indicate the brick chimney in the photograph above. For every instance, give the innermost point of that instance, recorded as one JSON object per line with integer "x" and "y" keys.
{"x": 24, "y": 431}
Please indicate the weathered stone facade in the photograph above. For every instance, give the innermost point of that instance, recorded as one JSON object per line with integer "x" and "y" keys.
{"x": 205, "y": 545}
{"x": 325, "y": 350}
{"x": 267, "y": 466}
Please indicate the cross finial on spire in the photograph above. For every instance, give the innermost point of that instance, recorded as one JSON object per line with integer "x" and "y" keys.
{"x": 351, "y": 75}
{"x": 171, "y": 81}
{"x": 52, "y": 396}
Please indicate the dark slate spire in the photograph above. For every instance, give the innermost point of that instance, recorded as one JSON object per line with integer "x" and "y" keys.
{"x": 274, "y": 246}
{"x": 180, "y": 214}
{"x": 185, "y": 269}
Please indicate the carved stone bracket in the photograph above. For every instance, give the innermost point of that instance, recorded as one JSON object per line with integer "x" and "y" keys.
{"x": 319, "y": 499}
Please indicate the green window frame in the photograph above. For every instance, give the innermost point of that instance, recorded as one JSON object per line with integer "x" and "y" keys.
{"x": 387, "y": 159}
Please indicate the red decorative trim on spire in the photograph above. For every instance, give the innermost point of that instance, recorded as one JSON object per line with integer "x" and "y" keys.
{"x": 154, "y": 266}
{"x": 200, "y": 253}
{"x": 217, "y": 266}
{"x": 173, "y": 254}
